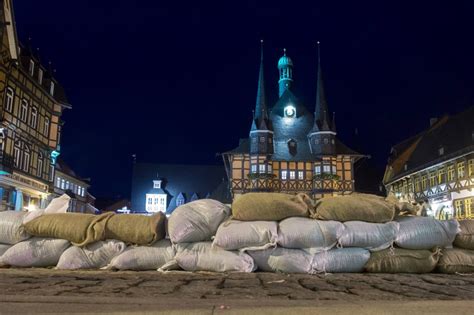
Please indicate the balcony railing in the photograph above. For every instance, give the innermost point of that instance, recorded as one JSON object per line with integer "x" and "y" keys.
{"x": 278, "y": 185}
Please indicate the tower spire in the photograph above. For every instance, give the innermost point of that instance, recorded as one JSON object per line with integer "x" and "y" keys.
{"x": 261, "y": 104}
{"x": 321, "y": 110}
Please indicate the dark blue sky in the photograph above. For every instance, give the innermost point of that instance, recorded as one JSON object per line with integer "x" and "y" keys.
{"x": 175, "y": 81}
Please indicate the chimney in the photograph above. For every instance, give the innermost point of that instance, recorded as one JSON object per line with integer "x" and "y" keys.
{"x": 433, "y": 121}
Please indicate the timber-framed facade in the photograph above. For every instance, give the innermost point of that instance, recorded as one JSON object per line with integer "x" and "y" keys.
{"x": 290, "y": 149}
{"x": 31, "y": 105}
{"x": 446, "y": 182}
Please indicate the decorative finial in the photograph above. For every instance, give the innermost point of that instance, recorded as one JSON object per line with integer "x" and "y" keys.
{"x": 319, "y": 51}
{"x": 284, "y": 51}
{"x": 261, "y": 49}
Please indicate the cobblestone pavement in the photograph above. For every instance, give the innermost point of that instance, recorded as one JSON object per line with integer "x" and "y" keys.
{"x": 257, "y": 289}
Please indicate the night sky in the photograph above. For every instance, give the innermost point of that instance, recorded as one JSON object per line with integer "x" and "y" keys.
{"x": 175, "y": 81}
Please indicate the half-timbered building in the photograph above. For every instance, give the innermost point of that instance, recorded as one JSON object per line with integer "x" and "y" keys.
{"x": 291, "y": 149}
{"x": 436, "y": 167}
{"x": 31, "y": 104}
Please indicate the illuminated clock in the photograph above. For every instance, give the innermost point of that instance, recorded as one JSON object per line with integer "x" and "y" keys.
{"x": 290, "y": 111}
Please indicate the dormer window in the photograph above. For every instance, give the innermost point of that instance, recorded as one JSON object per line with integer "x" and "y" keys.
{"x": 51, "y": 88}
{"x": 157, "y": 184}
{"x": 40, "y": 76}
{"x": 441, "y": 150}
{"x": 180, "y": 200}
{"x": 31, "y": 68}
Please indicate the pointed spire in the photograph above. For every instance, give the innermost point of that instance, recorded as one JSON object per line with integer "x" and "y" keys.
{"x": 321, "y": 110}
{"x": 261, "y": 104}
{"x": 333, "y": 125}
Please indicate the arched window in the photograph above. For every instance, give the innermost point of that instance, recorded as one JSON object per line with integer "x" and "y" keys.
{"x": 9, "y": 100}
{"x": 24, "y": 110}
{"x": 46, "y": 127}
{"x": 34, "y": 117}
{"x": 26, "y": 158}
{"x": 39, "y": 170}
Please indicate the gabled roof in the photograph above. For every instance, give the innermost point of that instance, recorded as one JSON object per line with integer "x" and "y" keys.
{"x": 455, "y": 134}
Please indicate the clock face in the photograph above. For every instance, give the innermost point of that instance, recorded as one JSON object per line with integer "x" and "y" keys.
{"x": 290, "y": 111}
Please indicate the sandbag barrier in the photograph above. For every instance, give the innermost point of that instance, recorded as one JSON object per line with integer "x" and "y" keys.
{"x": 358, "y": 233}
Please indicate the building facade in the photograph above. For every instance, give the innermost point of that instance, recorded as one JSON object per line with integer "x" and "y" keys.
{"x": 31, "y": 105}
{"x": 290, "y": 149}
{"x": 436, "y": 167}
{"x": 164, "y": 187}
{"x": 67, "y": 181}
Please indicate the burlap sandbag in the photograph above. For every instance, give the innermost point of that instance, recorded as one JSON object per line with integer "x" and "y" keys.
{"x": 465, "y": 238}
{"x": 78, "y": 228}
{"x": 456, "y": 260}
{"x": 398, "y": 260}
{"x": 285, "y": 260}
{"x": 246, "y": 235}
{"x": 341, "y": 260}
{"x": 11, "y": 228}
{"x": 358, "y": 207}
{"x": 4, "y": 248}
{"x": 136, "y": 229}
{"x": 270, "y": 206}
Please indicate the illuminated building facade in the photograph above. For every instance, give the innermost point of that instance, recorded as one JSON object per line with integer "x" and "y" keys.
{"x": 436, "y": 167}
{"x": 164, "y": 187}
{"x": 290, "y": 149}
{"x": 31, "y": 104}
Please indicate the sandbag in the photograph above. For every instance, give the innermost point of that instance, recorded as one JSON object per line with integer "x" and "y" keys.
{"x": 283, "y": 260}
{"x": 455, "y": 260}
{"x": 246, "y": 235}
{"x": 92, "y": 256}
{"x": 196, "y": 221}
{"x": 3, "y": 248}
{"x": 314, "y": 235}
{"x": 465, "y": 238}
{"x": 398, "y": 260}
{"x": 78, "y": 228}
{"x": 144, "y": 257}
{"x": 11, "y": 229}
{"x": 57, "y": 205}
{"x": 371, "y": 236}
{"x": 341, "y": 260}
{"x": 35, "y": 252}
{"x": 425, "y": 232}
{"x": 136, "y": 228}
{"x": 357, "y": 207}
{"x": 270, "y": 206}
{"x": 202, "y": 256}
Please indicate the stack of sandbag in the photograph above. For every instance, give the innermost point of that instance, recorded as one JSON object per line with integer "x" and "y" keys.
{"x": 191, "y": 228}
{"x": 459, "y": 259}
{"x": 18, "y": 249}
{"x": 93, "y": 256}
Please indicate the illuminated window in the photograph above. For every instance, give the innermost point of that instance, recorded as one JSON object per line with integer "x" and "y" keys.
{"x": 459, "y": 208}
{"x": 58, "y": 182}
{"x": 450, "y": 173}
{"x": 317, "y": 170}
{"x": 292, "y": 174}
{"x": 24, "y": 110}
{"x": 432, "y": 179}
{"x": 63, "y": 184}
{"x": 269, "y": 167}
{"x": 326, "y": 169}
{"x": 441, "y": 151}
{"x": 417, "y": 184}
{"x": 461, "y": 170}
{"x": 283, "y": 174}
{"x": 150, "y": 201}
{"x": 261, "y": 168}
{"x": 51, "y": 88}
{"x": 46, "y": 127}
{"x": 334, "y": 169}
{"x": 300, "y": 175}
{"x": 34, "y": 117}
{"x": 424, "y": 182}
{"x": 468, "y": 207}
{"x": 155, "y": 200}
{"x": 157, "y": 184}
{"x": 16, "y": 154}
{"x": 67, "y": 185}
{"x": 471, "y": 167}
{"x": 254, "y": 168}
{"x": 9, "y": 100}
{"x": 441, "y": 176}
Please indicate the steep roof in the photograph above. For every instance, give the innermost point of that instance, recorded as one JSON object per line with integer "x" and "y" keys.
{"x": 176, "y": 179}
{"x": 455, "y": 134}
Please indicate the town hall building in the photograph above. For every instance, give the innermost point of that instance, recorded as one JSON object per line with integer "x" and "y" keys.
{"x": 291, "y": 149}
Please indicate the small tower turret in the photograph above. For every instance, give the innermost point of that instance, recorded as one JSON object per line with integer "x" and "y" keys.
{"x": 285, "y": 69}
{"x": 322, "y": 137}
